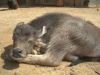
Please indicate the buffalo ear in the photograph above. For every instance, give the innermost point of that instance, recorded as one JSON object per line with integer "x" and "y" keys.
{"x": 20, "y": 23}
{"x": 44, "y": 31}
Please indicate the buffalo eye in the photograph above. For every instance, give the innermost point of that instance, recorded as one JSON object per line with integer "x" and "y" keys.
{"x": 30, "y": 40}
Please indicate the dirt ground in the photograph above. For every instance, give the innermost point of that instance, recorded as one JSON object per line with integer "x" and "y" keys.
{"x": 8, "y": 21}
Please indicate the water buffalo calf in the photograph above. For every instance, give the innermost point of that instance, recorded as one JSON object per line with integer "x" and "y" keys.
{"x": 66, "y": 37}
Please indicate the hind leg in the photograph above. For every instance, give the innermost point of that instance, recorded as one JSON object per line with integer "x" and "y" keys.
{"x": 74, "y": 59}
{"x": 75, "y": 62}
{"x": 70, "y": 57}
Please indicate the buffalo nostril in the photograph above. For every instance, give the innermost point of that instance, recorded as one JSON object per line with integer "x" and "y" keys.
{"x": 20, "y": 51}
{"x": 17, "y": 51}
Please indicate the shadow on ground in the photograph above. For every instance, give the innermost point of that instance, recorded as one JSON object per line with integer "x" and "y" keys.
{"x": 9, "y": 65}
{"x": 4, "y": 9}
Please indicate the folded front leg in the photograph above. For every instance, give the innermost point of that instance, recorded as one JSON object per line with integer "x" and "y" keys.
{"x": 39, "y": 60}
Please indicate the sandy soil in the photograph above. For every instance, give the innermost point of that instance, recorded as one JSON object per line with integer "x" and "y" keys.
{"x": 9, "y": 19}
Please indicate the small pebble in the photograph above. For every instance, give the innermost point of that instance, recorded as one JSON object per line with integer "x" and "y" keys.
{"x": 16, "y": 73}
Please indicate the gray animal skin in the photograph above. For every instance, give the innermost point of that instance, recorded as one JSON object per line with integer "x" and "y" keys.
{"x": 70, "y": 38}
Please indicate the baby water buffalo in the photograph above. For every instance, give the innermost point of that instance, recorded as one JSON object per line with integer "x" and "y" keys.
{"x": 66, "y": 37}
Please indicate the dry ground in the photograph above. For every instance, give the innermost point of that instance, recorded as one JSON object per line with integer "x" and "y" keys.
{"x": 9, "y": 19}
